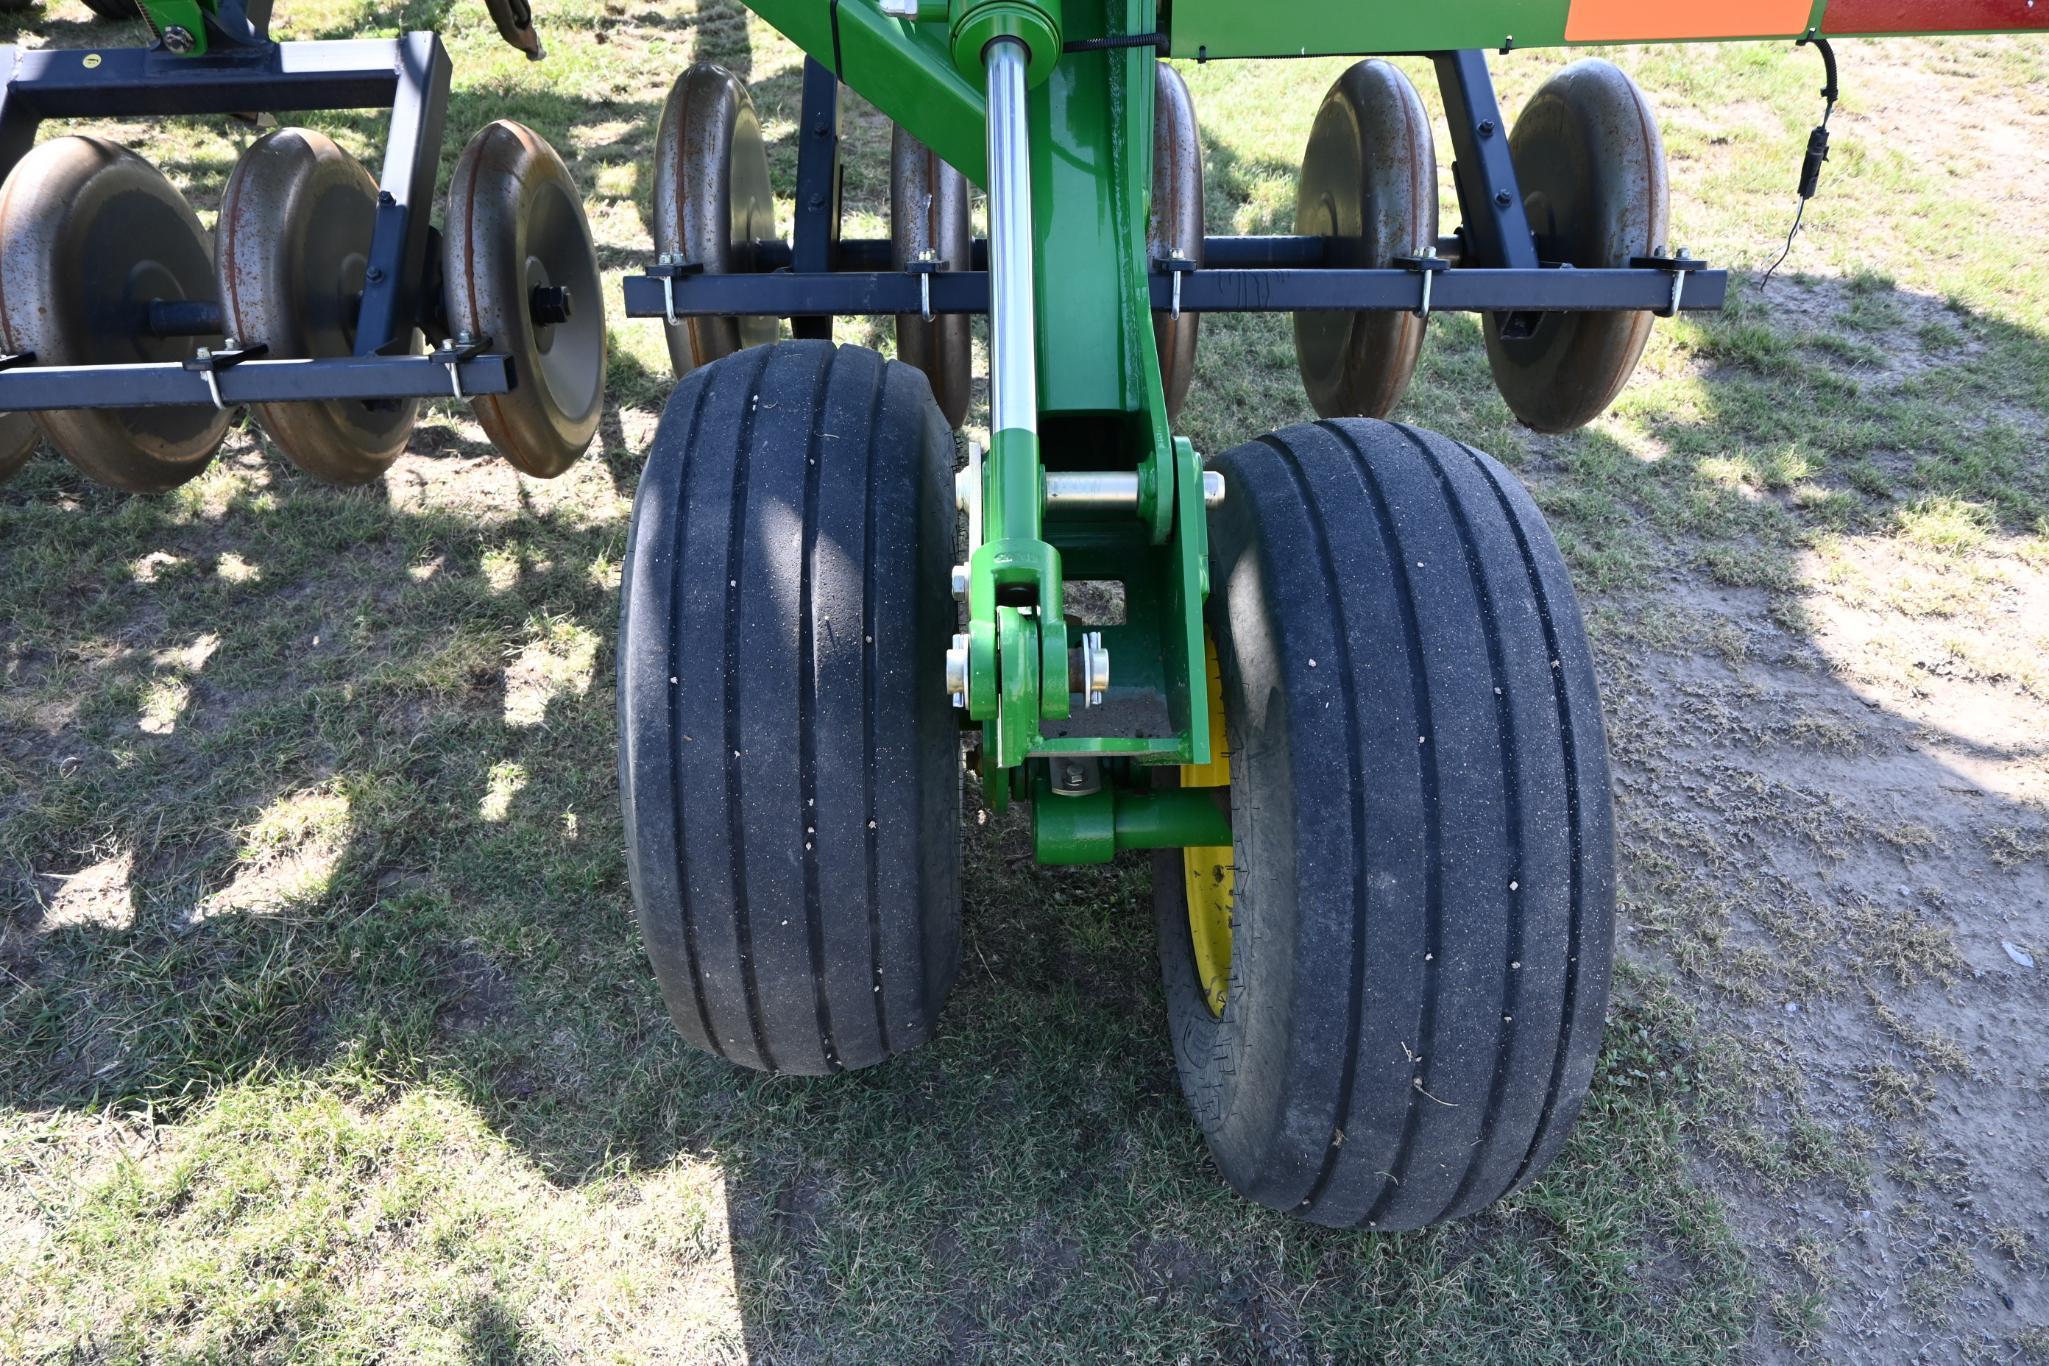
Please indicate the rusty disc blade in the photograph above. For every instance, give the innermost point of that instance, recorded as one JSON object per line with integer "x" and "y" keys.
{"x": 291, "y": 247}
{"x": 94, "y": 235}
{"x": 1174, "y": 229}
{"x": 522, "y": 271}
{"x": 929, "y": 212}
{"x": 1592, "y": 167}
{"x": 712, "y": 201}
{"x": 1369, "y": 184}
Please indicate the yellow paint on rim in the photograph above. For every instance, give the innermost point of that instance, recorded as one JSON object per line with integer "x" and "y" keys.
{"x": 1207, "y": 873}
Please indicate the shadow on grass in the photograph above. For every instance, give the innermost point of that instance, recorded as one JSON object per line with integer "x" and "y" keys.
{"x": 352, "y": 763}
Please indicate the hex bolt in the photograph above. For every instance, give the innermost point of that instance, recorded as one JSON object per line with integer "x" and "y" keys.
{"x": 373, "y": 274}
{"x": 960, "y": 583}
{"x": 1073, "y": 775}
{"x": 385, "y": 200}
{"x": 179, "y": 39}
{"x": 1486, "y": 128}
{"x": 957, "y": 672}
{"x": 1212, "y": 489}
{"x": 1503, "y": 198}
{"x": 550, "y": 305}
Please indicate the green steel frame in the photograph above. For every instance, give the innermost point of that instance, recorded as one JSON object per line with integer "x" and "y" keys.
{"x": 1100, "y": 405}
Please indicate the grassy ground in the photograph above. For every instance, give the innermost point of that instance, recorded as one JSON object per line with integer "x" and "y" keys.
{"x": 325, "y": 1032}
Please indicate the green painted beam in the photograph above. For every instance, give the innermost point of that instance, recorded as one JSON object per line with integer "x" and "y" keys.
{"x": 1229, "y": 28}
{"x": 904, "y": 69}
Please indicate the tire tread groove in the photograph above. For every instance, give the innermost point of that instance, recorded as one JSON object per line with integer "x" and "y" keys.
{"x": 807, "y": 719}
{"x": 736, "y": 815}
{"x": 1433, "y": 919}
{"x": 1576, "y": 864}
{"x": 692, "y": 962}
{"x": 1513, "y": 815}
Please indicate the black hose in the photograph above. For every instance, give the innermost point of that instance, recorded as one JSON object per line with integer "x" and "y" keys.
{"x": 1817, "y": 149}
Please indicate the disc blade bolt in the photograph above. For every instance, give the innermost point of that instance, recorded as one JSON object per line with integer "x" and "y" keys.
{"x": 550, "y": 305}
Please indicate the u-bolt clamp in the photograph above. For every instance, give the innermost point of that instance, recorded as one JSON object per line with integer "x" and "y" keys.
{"x": 667, "y": 268}
{"x": 458, "y": 349}
{"x": 925, "y": 265}
{"x": 1426, "y": 263}
{"x": 1678, "y": 267}
{"x": 208, "y": 362}
{"x": 1175, "y": 267}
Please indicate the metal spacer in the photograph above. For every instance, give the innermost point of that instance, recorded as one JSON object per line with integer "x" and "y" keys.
{"x": 1095, "y": 669}
{"x": 1212, "y": 489}
{"x": 957, "y": 672}
{"x": 967, "y": 494}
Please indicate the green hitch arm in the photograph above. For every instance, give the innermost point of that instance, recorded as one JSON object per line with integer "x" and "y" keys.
{"x": 903, "y": 67}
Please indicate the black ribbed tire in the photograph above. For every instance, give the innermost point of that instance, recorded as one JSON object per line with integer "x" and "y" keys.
{"x": 788, "y": 759}
{"x": 1424, "y": 845}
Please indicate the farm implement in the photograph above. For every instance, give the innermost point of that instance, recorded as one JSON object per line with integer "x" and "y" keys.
{"x": 1333, "y": 681}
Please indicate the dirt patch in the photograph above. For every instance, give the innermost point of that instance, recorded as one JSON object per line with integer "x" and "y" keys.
{"x": 1807, "y": 831}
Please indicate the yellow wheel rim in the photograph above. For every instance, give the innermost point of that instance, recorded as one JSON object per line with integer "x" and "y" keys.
{"x": 1207, "y": 873}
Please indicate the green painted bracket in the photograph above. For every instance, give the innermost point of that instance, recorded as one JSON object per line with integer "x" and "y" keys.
{"x": 189, "y": 15}
{"x": 1101, "y": 405}
{"x": 904, "y": 68}
{"x": 1095, "y": 827}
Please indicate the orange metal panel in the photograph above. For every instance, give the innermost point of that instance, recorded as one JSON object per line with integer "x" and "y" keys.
{"x": 1630, "y": 21}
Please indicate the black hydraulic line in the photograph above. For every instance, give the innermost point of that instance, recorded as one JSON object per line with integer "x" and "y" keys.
{"x": 1817, "y": 149}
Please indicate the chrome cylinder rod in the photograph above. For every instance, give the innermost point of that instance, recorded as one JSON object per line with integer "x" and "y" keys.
{"x": 1013, "y": 358}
